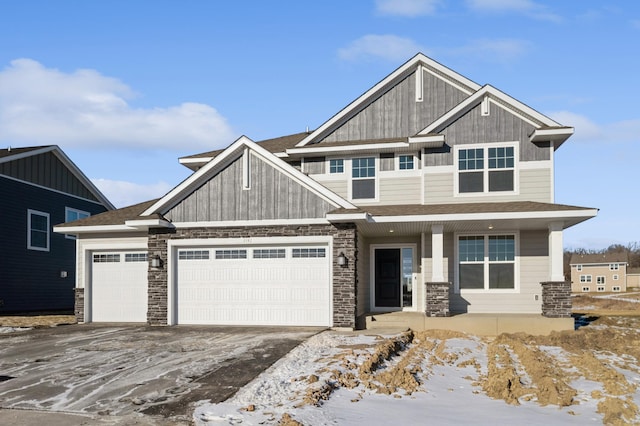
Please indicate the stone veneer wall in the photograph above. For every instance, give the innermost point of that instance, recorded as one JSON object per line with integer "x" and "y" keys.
{"x": 79, "y": 304}
{"x": 438, "y": 296}
{"x": 344, "y": 278}
{"x": 556, "y": 299}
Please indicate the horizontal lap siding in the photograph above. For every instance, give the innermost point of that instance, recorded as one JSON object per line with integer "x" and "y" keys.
{"x": 534, "y": 269}
{"x": 535, "y": 185}
{"x": 339, "y": 187}
{"x": 400, "y": 190}
{"x": 30, "y": 279}
{"x": 272, "y": 195}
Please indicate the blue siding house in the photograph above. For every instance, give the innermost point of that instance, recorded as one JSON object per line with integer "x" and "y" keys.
{"x": 40, "y": 187}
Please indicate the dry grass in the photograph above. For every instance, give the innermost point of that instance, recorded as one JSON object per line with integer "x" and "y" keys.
{"x": 36, "y": 320}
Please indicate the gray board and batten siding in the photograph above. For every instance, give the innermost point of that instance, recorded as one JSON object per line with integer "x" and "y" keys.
{"x": 46, "y": 170}
{"x": 272, "y": 195}
{"x": 500, "y": 125}
{"x": 31, "y": 280}
{"x": 397, "y": 114}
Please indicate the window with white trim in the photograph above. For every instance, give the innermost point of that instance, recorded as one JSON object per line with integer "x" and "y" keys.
{"x": 406, "y": 162}
{"x": 363, "y": 174}
{"x": 579, "y": 268}
{"x": 486, "y": 169}
{"x": 585, "y": 278}
{"x": 71, "y": 214}
{"x": 336, "y": 166}
{"x": 193, "y": 254}
{"x": 37, "y": 230}
{"x": 616, "y": 277}
{"x": 614, "y": 266}
{"x": 300, "y": 253}
{"x": 135, "y": 257}
{"x": 616, "y": 288}
{"x": 269, "y": 253}
{"x": 231, "y": 254}
{"x": 600, "y": 288}
{"x": 106, "y": 258}
{"x": 486, "y": 262}
{"x": 586, "y": 289}
{"x": 600, "y": 279}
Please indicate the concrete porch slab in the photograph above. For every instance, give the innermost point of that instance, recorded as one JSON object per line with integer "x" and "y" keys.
{"x": 479, "y": 324}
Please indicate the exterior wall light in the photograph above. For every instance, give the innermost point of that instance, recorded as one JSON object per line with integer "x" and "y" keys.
{"x": 342, "y": 260}
{"x": 156, "y": 262}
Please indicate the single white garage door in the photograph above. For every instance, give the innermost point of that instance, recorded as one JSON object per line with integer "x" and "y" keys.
{"x": 119, "y": 287}
{"x": 260, "y": 285}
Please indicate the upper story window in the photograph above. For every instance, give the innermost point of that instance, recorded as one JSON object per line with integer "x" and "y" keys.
{"x": 614, "y": 267}
{"x": 405, "y": 162}
{"x": 486, "y": 169}
{"x": 363, "y": 182}
{"x": 336, "y": 165}
{"x": 578, "y": 268}
{"x": 37, "y": 230}
{"x": 71, "y": 214}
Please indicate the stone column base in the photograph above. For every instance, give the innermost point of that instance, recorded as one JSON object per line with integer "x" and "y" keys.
{"x": 556, "y": 299}
{"x": 438, "y": 296}
{"x": 79, "y": 305}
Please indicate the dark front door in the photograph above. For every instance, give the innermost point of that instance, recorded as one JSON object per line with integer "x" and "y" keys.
{"x": 387, "y": 278}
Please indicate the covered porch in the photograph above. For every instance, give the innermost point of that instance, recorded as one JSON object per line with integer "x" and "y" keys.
{"x": 496, "y": 265}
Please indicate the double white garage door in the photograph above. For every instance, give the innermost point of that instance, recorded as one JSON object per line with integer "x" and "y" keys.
{"x": 245, "y": 285}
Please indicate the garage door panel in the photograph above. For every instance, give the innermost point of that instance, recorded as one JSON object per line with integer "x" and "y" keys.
{"x": 258, "y": 290}
{"x": 119, "y": 287}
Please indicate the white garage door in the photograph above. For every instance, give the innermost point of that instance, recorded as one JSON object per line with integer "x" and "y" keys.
{"x": 274, "y": 285}
{"x": 119, "y": 287}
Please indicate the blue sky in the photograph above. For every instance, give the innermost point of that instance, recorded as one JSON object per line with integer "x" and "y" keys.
{"x": 127, "y": 87}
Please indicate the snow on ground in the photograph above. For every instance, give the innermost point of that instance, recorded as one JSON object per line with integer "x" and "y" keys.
{"x": 331, "y": 379}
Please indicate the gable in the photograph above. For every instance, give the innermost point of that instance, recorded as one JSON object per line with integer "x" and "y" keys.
{"x": 270, "y": 195}
{"x": 500, "y": 125}
{"x": 402, "y": 111}
{"x": 47, "y": 170}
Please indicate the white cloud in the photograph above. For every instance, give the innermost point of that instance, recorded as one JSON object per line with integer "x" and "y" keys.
{"x": 409, "y": 8}
{"x": 588, "y": 131}
{"x": 388, "y": 47}
{"x": 40, "y": 105}
{"x": 122, "y": 193}
{"x": 525, "y": 7}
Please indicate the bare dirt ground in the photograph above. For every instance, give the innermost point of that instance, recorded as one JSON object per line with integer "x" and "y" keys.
{"x": 517, "y": 368}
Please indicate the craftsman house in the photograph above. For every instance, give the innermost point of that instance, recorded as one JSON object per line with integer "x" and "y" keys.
{"x": 428, "y": 194}
{"x": 599, "y": 272}
{"x": 40, "y": 187}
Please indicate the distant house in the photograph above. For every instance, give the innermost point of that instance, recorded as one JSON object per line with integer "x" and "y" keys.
{"x": 428, "y": 194}
{"x": 599, "y": 272}
{"x": 39, "y": 188}
{"x": 633, "y": 278}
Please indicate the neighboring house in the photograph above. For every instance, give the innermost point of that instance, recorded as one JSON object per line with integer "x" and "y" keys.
{"x": 429, "y": 193}
{"x": 633, "y": 278}
{"x": 599, "y": 272}
{"x": 41, "y": 187}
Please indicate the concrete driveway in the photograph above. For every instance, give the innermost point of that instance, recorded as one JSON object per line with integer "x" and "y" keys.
{"x": 122, "y": 371}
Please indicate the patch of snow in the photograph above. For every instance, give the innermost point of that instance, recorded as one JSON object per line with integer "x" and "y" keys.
{"x": 5, "y": 330}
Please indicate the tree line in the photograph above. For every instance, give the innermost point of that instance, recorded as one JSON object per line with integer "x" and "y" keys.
{"x": 632, "y": 250}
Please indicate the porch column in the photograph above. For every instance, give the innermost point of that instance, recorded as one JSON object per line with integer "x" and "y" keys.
{"x": 437, "y": 290}
{"x": 556, "y": 252}
{"x": 556, "y": 293}
{"x": 437, "y": 254}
